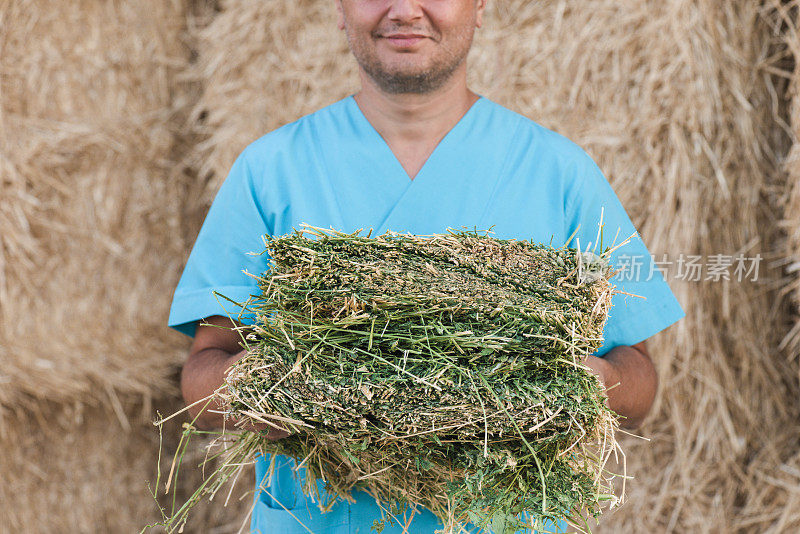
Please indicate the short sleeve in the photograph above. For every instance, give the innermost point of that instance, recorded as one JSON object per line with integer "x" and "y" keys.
{"x": 230, "y": 242}
{"x": 632, "y": 319}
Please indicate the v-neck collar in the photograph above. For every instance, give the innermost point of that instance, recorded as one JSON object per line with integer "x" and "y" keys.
{"x": 379, "y": 143}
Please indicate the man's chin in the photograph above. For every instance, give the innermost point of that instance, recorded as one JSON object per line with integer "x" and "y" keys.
{"x": 409, "y": 85}
{"x": 407, "y": 78}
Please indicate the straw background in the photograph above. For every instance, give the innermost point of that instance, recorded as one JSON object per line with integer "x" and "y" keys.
{"x": 119, "y": 121}
{"x": 91, "y": 212}
{"x": 92, "y": 239}
{"x": 786, "y": 24}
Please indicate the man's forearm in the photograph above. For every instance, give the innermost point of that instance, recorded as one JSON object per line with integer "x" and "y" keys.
{"x": 203, "y": 374}
{"x": 631, "y": 381}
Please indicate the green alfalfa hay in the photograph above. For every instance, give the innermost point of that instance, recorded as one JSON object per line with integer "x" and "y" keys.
{"x": 321, "y": 316}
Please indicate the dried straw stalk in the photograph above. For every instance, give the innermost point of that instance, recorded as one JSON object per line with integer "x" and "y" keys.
{"x": 784, "y": 65}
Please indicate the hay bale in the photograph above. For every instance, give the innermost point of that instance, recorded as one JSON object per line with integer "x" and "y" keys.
{"x": 264, "y": 64}
{"x": 791, "y": 342}
{"x": 773, "y": 470}
{"x": 79, "y": 468}
{"x": 786, "y": 66}
{"x": 91, "y": 223}
{"x": 668, "y": 98}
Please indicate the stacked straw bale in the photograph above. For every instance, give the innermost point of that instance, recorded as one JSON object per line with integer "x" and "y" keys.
{"x": 91, "y": 237}
{"x": 265, "y": 64}
{"x": 786, "y": 22}
{"x": 668, "y": 96}
{"x": 76, "y": 468}
{"x": 774, "y": 501}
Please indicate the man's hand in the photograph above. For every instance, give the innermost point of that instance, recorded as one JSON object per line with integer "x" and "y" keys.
{"x": 599, "y": 367}
{"x": 213, "y": 351}
{"x": 630, "y": 379}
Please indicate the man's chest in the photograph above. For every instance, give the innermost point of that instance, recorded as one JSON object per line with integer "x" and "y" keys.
{"x": 412, "y": 157}
{"x": 364, "y": 191}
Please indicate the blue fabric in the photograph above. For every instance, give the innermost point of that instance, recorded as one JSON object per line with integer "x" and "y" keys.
{"x": 495, "y": 168}
{"x": 283, "y": 507}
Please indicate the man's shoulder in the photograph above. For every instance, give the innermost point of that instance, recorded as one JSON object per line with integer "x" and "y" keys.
{"x": 295, "y": 134}
{"x": 531, "y": 135}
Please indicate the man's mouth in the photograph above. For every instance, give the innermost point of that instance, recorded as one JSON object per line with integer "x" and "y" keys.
{"x": 404, "y": 39}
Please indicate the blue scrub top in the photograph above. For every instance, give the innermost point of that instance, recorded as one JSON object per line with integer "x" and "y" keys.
{"x": 495, "y": 168}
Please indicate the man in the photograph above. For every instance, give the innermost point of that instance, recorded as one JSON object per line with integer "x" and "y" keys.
{"x": 413, "y": 151}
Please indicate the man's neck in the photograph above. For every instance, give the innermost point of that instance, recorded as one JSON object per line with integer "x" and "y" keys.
{"x": 409, "y": 117}
{"x": 413, "y": 124}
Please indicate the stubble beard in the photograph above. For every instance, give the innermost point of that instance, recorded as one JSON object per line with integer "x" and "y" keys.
{"x": 400, "y": 80}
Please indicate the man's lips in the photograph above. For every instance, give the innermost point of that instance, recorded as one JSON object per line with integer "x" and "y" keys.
{"x": 404, "y": 39}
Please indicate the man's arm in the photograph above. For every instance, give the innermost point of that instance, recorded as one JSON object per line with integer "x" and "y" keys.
{"x": 213, "y": 351}
{"x": 631, "y": 375}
